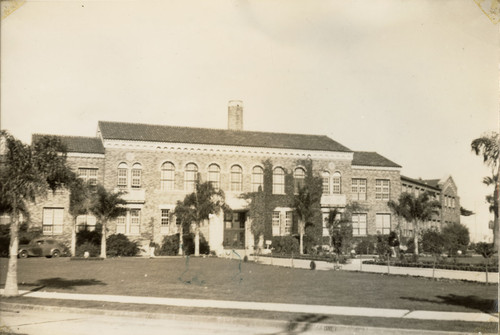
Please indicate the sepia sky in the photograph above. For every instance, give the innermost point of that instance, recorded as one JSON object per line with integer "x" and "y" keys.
{"x": 415, "y": 80}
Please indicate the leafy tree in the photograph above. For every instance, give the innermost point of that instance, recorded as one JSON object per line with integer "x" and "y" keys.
{"x": 416, "y": 210}
{"x": 433, "y": 242}
{"x": 106, "y": 206}
{"x": 487, "y": 146}
{"x": 197, "y": 207}
{"x": 26, "y": 173}
{"x": 456, "y": 237}
{"x": 79, "y": 204}
{"x": 486, "y": 250}
{"x": 383, "y": 249}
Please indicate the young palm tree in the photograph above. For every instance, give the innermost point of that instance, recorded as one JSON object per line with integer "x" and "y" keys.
{"x": 340, "y": 225}
{"x": 197, "y": 207}
{"x": 106, "y": 206}
{"x": 487, "y": 146}
{"x": 416, "y": 210}
{"x": 25, "y": 174}
{"x": 304, "y": 203}
{"x": 79, "y": 204}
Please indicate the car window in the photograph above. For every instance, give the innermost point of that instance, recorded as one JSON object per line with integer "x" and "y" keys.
{"x": 39, "y": 242}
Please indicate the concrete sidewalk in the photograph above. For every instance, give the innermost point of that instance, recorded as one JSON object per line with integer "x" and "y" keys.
{"x": 276, "y": 307}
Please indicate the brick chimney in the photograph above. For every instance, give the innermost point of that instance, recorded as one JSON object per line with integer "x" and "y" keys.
{"x": 235, "y": 115}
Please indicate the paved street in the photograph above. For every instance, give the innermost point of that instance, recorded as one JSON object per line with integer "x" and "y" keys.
{"x": 36, "y": 322}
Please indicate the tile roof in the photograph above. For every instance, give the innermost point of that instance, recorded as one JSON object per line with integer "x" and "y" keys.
{"x": 432, "y": 183}
{"x": 161, "y": 133}
{"x": 365, "y": 158}
{"x": 80, "y": 144}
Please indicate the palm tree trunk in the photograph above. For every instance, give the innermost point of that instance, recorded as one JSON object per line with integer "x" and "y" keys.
{"x": 73, "y": 239}
{"x": 180, "y": 240}
{"x": 301, "y": 238}
{"x": 415, "y": 238}
{"x": 496, "y": 235}
{"x": 197, "y": 240}
{"x": 11, "y": 280}
{"x": 103, "y": 240}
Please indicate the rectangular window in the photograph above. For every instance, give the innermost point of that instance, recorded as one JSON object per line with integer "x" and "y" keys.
{"x": 288, "y": 223}
{"x": 382, "y": 189}
{"x": 276, "y": 223}
{"x": 326, "y": 184}
{"x": 336, "y": 184}
{"x": 359, "y": 224}
{"x": 453, "y": 202}
{"x": 122, "y": 178}
{"x": 53, "y": 219}
{"x": 85, "y": 222}
{"x": 326, "y": 231}
{"x": 136, "y": 178}
{"x": 383, "y": 223}
{"x": 359, "y": 189}
{"x": 129, "y": 224}
{"x": 165, "y": 221}
{"x": 88, "y": 175}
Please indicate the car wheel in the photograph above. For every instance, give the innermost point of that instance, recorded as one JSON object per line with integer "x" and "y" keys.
{"x": 56, "y": 253}
{"x": 23, "y": 254}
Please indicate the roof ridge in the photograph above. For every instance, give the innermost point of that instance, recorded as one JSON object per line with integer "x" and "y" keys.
{"x": 67, "y": 136}
{"x": 208, "y": 128}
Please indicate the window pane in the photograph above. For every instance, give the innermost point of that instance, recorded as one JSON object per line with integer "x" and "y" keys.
{"x": 236, "y": 178}
{"x": 276, "y": 224}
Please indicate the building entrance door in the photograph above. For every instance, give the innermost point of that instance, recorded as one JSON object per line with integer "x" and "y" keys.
{"x": 234, "y": 230}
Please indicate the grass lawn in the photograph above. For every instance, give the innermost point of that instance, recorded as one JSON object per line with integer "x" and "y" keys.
{"x": 213, "y": 278}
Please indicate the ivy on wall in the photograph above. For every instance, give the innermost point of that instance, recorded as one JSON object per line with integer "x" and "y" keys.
{"x": 263, "y": 202}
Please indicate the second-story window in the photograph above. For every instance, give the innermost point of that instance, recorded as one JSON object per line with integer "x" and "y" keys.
{"x": 257, "y": 178}
{"x": 298, "y": 178}
{"x": 214, "y": 176}
{"x": 336, "y": 183}
{"x": 190, "y": 177}
{"x": 279, "y": 181}
{"x": 167, "y": 176}
{"x": 359, "y": 189}
{"x": 122, "y": 176}
{"x": 136, "y": 175}
{"x": 236, "y": 178}
{"x": 326, "y": 182}
{"x": 382, "y": 189}
{"x": 88, "y": 175}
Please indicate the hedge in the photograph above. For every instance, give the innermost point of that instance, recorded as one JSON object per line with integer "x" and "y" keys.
{"x": 460, "y": 267}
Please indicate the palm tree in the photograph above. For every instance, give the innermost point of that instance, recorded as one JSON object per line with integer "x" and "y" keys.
{"x": 304, "y": 203}
{"x": 416, "y": 210}
{"x": 106, "y": 206}
{"x": 339, "y": 225}
{"x": 79, "y": 204}
{"x": 26, "y": 173}
{"x": 197, "y": 207}
{"x": 487, "y": 146}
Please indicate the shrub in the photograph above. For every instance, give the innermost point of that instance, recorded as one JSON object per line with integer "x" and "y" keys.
{"x": 170, "y": 245}
{"x": 120, "y": 245}
{"x": 93, "y": 237}
{"x": 312, "y": 265}
{"x": 93, "y": 250}
{"x": 310, "y": 245}
{"x": 285, "y": 245}
{"x": 188, "y": 245}
{"x": 365, "y": 246}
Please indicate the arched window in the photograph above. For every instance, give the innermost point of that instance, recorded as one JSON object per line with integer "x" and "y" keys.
{"x": 214, "y": 176}
{"x": 122, "y": 176}
{"x": 236, "y": 178}
{"x": 136, "y": 175}
{"x": 298, "y": 178}
{"x": 167, "y": 178}
{"x": 278, "y": 181}
{"x": 326, "y": 182}
{"x": 257, "y": 178}
{"x": 190, "y": 177}
{"x": 336, "y": 182}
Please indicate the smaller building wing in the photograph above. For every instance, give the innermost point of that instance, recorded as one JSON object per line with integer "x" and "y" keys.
{"x": 366, "y": 158}
{"x": 77, "y": 144}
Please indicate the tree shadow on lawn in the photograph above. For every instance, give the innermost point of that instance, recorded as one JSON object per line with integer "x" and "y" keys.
{"x": 67, "y": 284}
{"x": 300, "y": 324}
{"x": 470, "y": 301}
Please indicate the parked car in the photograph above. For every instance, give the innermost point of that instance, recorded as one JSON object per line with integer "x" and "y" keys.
{"x": 42, "y": 247}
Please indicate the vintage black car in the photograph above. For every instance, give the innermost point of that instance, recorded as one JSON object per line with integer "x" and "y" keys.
{"x": 42, "y": 247}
